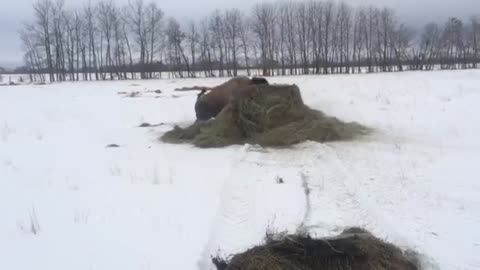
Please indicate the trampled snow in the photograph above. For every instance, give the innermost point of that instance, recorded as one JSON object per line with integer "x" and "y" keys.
{"x": 69, "y": 202}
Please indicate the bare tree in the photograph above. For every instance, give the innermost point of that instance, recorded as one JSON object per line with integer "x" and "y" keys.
{"x": 139, "y": 29}
{"x": 233, "y": 23}
{"x": 175, "y": 37}
{"x": 474, "y": 36}
{"x": 193, "y": 40}
{"x": 385, "y": 32}
{"x": 328, "y": 24}
{"x": 32, "y": 43}
{"x": 316, "y": 28}
{"x": 58, "y": 20}
{"x": 206, "y": 49}
{"x": 303, "y": 32}
{"x": 370, "y": 36}
{"x": 217, "y": 28}
{"x": 344, "y": 28}
{"x": 430, "y": 46}
{"x": 282, "y": 15}
{"x": 79, "y": 45}
{"x": 124, "y": 27}
{"x": 359, "y": 29}
{"x": 43, "y": 16}
{"x": 154, "y": 17}
{"x": 401, "y": 43}
{"x": 69, "y": 27}
{"x": 111, "y": 41}
{"x": 106, "y": 18}
{"x": 245, "y": 40}
{"x": 91, "y": 29}
{"x": 453, "y": 44}
{"x": 263, "y": 25}
{"x": 291, "y": 36}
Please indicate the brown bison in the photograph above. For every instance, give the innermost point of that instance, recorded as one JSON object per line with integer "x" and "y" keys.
{"x": 353, "y": 249}
{"x": 208, "y": 105}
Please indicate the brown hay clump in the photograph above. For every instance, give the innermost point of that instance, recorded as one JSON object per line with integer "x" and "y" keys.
{"x": 354, "y": 249}
{"x": 268, "y": 115}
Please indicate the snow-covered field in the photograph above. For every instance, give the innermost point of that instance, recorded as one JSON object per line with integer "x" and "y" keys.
{"x": 68, "y": 202}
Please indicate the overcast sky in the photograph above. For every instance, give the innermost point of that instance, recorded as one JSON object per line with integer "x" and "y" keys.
{"x": 414, "y": 12}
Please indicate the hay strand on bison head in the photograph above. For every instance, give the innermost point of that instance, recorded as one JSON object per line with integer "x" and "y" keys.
{"x": 268, "y": 115}
{"x": 355, "y": 249}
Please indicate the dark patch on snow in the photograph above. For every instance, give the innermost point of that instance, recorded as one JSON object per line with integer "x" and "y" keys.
{"x": 150, "y": 125}
{"x": 113, "y": 145}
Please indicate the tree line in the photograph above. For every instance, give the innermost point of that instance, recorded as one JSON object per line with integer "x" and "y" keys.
{"x": 106, "y": 41}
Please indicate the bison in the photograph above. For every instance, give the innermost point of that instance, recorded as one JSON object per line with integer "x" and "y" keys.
{"x": 209, "y": 105}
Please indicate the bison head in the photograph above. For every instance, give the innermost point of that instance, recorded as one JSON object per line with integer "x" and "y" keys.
{"x": 259, "y": 80}
{"x": 203, "y": 109}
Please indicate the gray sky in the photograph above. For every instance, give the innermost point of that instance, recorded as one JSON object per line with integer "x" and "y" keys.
{"x": 413, "y": 12}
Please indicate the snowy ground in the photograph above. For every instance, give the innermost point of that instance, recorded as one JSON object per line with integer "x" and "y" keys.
{"x": 68, "y": 202}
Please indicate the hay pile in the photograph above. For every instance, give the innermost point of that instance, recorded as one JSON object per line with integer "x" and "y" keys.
{"x": 268, "y": 115}
{"x": 353, "y": 249}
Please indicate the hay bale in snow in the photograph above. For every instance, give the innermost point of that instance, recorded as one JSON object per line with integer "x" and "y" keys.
{"x": 353, "y": 249}
{"x": 268, "y": 115}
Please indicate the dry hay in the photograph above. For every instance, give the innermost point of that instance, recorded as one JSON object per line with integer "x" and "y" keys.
{"x": 268, "y": 115}
{"x": 145, "y": 124}
{"x": 158, "y": 91}
{"x": 354, "y": 248}
{"x": 132, "y": 94}
{"x": 112, "y": 145}
{"x": 191, "y": 88}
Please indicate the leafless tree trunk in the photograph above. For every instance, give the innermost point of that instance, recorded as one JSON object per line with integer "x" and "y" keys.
{"x": 233, "y": 23}
{"x": 43, "y": 16}
{"x": 328, "y": 18}
{"x": 193, "y": 38}
{"x": 205, "y": 49}
{"x": 32, "y": 45}
{"x": 217, "y": 28}
{"x": 92, "y": 34}
{"x": 344, "y": 28}
{"x": 154, "y": 24}
{"x": 244, "y": 33}
{"x": 106, "y": 17}
{"x": 263, "y": 23}
{"x": 302, "y": 20}
{"x": 58, "y": 35}
{"x": 175, "y": 38}
{"x": 139, "y": 28}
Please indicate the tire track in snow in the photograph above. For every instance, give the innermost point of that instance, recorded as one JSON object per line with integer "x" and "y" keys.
{"x": 334, "y": 196}
{"x": 365, "y": 205}
{"x": 302, "y": 228}
{"x": 326, "y": 194}
{"x": 366, "y": 211}
{"x": 251, "y": 200}
{"x": 342, "y": 200}
{"x": 236, "y": 201}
